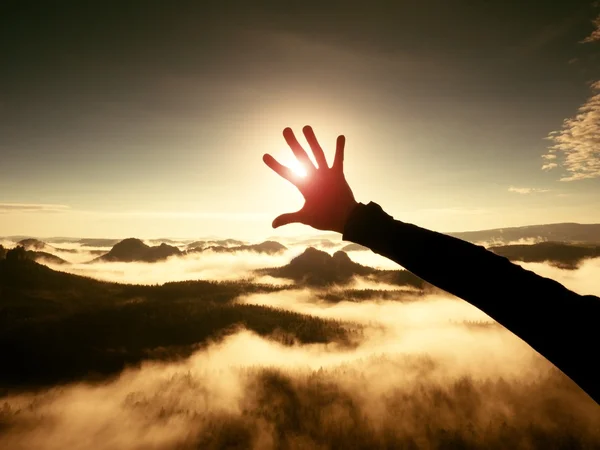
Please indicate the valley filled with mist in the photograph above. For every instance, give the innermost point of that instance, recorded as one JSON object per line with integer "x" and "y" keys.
{"x": 304, "y": 343}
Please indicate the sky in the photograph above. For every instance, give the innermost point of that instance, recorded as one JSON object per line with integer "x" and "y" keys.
{"x": 150, "y": 119}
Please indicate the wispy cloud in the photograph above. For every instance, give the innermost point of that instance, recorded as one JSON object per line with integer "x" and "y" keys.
{"x": 32, "y": 207}
{"x": 579, "y": 139}
{"x": 525, "y": 190}
{"x": 595, "y": 36}
{"x": 549, "y": 166}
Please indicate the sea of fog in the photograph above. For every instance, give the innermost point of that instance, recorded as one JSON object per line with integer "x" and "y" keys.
{"x": 428, "y": 373}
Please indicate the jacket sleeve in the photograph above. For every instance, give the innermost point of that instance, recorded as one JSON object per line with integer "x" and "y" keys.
{"x": 558, "y": 323}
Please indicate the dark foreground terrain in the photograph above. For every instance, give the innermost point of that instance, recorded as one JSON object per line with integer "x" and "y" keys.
{"x": 57, "y": 327}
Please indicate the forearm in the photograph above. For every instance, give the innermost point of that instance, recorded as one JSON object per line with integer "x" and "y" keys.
{"x": 553, "y": 320}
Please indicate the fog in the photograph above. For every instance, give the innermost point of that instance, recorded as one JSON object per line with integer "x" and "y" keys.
{"x": 71, "y": 252}
{"x": 406, "y": 354}
{"x": 76, "y": 253}
{"x": 499, "y": 242}
{"x": 207, "y": 265}
{"x": 585, "y": 280}
{"x": 241, "y": 265}
{"x": 422, "y": 371}
{"x": 368, "y": 258}
{"x": 211, "y": 265}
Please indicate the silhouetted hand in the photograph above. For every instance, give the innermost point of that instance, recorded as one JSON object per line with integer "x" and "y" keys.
{"x": 328, "y": 198}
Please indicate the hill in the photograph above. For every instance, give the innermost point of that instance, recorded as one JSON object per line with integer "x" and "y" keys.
{"x": 33, "y": 244}
{"x": 40, "y": 246}
{"x": 57, "y": 327}
{"x": 134, "y": 250}
{"x": 32, "y": 255}
{"x": 44, "y": 257}
{"x": 318, "y": 268}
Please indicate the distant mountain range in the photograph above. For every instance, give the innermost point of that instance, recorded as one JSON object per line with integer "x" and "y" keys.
{"x": 564, "y": 256}
{"x": 557, "y": 232}
{"x": 214, "y": 243}
{"x": 318, "y": 242}
{"x": 84, "y": 242}
{"x": 268, "y": 247}
{"x": 564, "y": 245}
{"x": 135, "y": 250}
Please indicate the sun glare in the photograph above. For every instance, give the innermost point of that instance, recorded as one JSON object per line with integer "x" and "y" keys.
{"x": 296, "y": 167}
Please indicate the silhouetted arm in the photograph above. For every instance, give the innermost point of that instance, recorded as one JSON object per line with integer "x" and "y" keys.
{"x": 560, "y": 324}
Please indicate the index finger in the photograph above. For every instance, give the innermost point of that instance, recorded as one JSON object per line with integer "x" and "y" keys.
{"x": 280, "y": 169}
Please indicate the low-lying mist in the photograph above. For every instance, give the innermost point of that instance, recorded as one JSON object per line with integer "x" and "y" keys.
{"x": 585, "y": 280}
{"x": 432, "y": 372}
{"x": 200, "y": 266}
{"x": 422, "y": 371}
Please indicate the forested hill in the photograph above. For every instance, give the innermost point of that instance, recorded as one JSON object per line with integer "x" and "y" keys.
{"x": 57, "y": 327}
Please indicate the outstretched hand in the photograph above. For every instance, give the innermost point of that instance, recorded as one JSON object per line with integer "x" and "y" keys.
{"x": 328, "y": 200}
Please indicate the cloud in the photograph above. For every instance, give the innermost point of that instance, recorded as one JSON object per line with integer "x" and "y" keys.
{"x": 549, "y": 166}
{"x": 523, "y": 190}
{"x": 595, "y": 36}
{"x": 32, "y": 207}
{"x": 584, "y": 280}
{"x": 579, "y": 139}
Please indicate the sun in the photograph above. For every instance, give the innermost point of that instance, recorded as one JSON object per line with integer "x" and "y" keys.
{"x": 296, "y": 167}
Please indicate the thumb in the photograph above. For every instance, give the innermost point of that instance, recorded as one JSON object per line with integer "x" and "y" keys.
{"x": 285, "y": 219}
